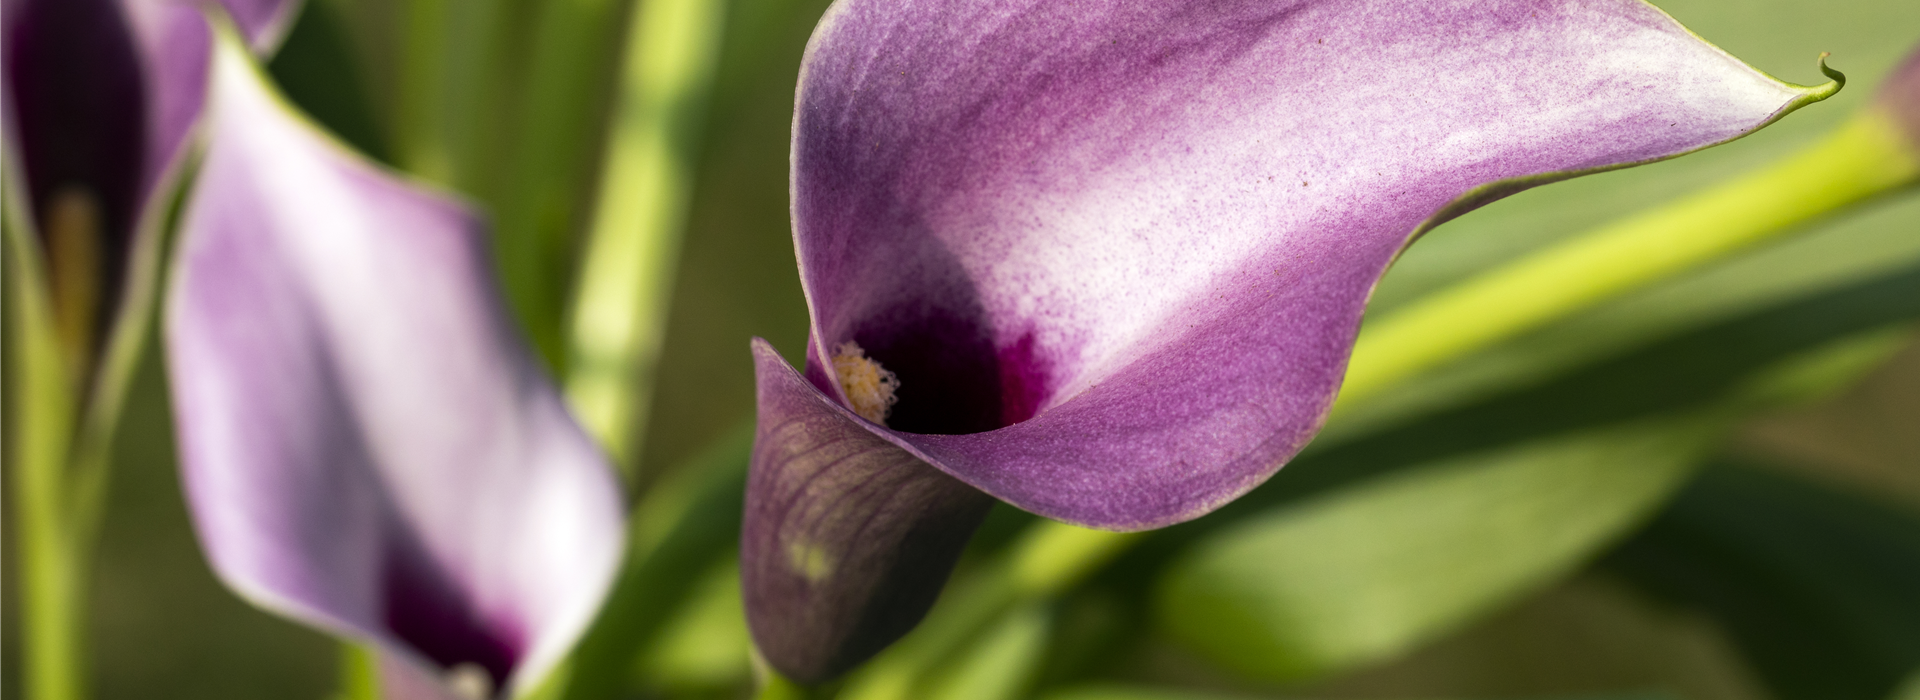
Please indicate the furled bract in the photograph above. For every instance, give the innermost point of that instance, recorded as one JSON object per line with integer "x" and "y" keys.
{"x": 100, "y": 96}
{"x": 367, "y": 443}
{"x": 1116, "y": 251}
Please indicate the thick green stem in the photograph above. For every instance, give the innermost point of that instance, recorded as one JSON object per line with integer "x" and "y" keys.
{"x": 359, "y": 672}
{"x": 620, "y": 305}
{"x": 1867, "y": 156}
{"x": 52, "y": 556}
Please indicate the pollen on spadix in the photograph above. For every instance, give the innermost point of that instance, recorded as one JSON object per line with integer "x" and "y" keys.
{"x": 867, "y": 386}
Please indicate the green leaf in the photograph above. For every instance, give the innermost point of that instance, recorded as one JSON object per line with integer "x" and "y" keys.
{"x": 317, "y": 69}
{"x": 1816, "y": 586}
{"x": 683, "y": 525}
{"x": 1115, "y": 692}
{"x": 1005, "y": 661}
{"x": 502, "y": 100}
{"x": 1362, "y": 574}
{"x": 705, "y": 645}
{"x": 1365, "y": 572}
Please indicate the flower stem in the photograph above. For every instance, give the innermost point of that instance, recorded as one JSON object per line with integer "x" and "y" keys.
{"x": 52, "y": 546}
{"x": 359, "y": 672}
{"x": 620, "y": 303}
{"x": 1867, "y": 156}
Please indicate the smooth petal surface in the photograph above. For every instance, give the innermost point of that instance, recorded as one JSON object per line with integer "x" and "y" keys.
{"x": 366, "y": 441}
{"x": 1117, "y": 251}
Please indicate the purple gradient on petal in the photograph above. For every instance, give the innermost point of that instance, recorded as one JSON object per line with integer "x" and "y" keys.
{"x": 428, "y": 611}
{"x": 174, "y": 43}
{"x": 367, "y": 443}
{"x": 1117, "y": 252}
{"x": 263, "y": 22}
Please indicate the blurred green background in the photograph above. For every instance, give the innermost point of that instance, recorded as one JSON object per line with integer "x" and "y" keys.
{"x": 1710, "y": 598}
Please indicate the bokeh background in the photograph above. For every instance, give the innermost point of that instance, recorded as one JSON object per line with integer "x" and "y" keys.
{"x": 1788, "y": 569}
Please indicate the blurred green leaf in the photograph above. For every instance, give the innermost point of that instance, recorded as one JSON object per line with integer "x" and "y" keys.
{"x": 1140, "y": 693}
{"x": 705, "y": 646}
{"x": 682, "y": 526}
{"x": 1004, "y": 663}
{"x": 1817, "y": 586}
{"x": 1364, "y": 573}
{"x": 317, "y": 69}
{"x": 502, "y": 100}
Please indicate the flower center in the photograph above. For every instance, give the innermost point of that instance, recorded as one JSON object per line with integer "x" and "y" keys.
{"x": 867, "y": 386}
{"x": 469, "y": 681}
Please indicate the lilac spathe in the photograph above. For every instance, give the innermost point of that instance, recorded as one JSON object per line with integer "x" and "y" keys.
{"x": 367, "y": 443}
{"x": 1117, "y": 251}
{"x": 100, "y": 96}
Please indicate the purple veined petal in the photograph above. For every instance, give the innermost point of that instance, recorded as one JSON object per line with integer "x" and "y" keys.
{"x": 1116, "y": 252}
{"x": 366, "y": 442}
{"x": 844, "y": 530}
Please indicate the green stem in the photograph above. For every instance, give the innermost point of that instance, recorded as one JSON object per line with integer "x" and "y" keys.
{"x": 52, "y": 558}
{"x": 1867, "y": 156}
{"x": 620, "y": 305}
{"x": 359, "y": 672}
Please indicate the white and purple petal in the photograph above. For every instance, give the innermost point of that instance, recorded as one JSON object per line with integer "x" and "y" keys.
{"x": 1117, "y": 251}
{"x": 367, "y": 443}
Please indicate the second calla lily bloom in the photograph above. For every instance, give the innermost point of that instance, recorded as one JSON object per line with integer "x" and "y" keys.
{"x": 1106, "y": 260}
{"x": 367, "y": 443}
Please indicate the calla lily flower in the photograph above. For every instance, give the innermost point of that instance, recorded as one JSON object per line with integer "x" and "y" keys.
{"x": 1106, "y": 260}
{"x": 1899, "y": 99}
{"x": 367, "y": 443}
{"x": 100, "y": 96}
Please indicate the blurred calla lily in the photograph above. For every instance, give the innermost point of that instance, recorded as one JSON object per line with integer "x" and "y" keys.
{"x": 100, "y": 97}
{"x": 1899, "y": 99}
{"x": 367, "y": 443}
{"x": 1106, "y": 260}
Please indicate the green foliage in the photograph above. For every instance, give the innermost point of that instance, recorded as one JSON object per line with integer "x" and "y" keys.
{"x": 1141, "y": 693}
{"x": 1816, "y": 585}
{"x": 1361, "y": 574}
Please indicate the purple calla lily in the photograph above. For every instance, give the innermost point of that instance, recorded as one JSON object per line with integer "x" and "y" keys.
{"x": 367, "y": 443}
{"x": 100, "y": 96}
{"x": 1106, "y": 260}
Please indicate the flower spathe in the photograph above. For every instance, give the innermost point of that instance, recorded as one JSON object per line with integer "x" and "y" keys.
{"x": 1116, "y": 252}
{"x": 367, "y": 444}
{"x": 100, "y": 96}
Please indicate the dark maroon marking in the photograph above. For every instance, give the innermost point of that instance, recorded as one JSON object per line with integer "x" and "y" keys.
{"x": 423, "y": 608}
{"x": 75, "y": 85}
